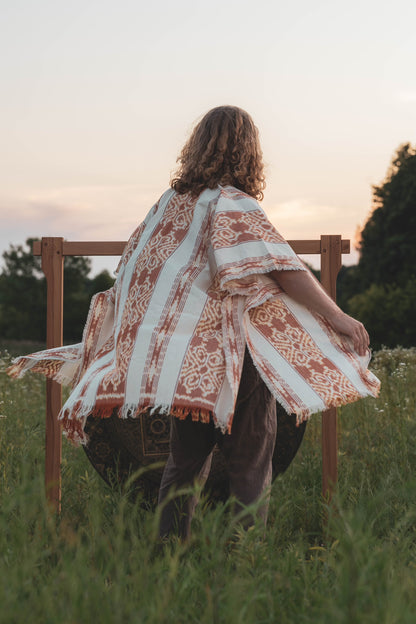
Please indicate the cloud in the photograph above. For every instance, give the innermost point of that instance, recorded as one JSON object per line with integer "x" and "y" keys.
{"x": 77, "y": 213}
{"x": 301, "y": 218}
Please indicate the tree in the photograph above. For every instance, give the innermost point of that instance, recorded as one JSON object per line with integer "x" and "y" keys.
{"x": 76, "y": 296}
{"x": 78, "y": 290}
{"x": 349, "y": 283}
{"x": 381, "y": 289}
{"x": 388, "y": 314}
{"x": 23, "y": 294}
{"x": 102, "y": 281}
{"x": 387, "y": 245}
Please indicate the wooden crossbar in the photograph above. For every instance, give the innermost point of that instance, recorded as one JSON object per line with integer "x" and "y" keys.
{"x": 53, "y": 251}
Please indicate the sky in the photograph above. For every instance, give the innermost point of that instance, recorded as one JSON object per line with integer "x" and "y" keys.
{"x": 98, "y": 98}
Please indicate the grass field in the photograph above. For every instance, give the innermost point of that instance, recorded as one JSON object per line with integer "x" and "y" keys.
{"x": 100, "y": 561}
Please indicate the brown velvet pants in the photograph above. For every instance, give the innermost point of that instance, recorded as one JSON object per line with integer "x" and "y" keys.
{"x": 247, "y": 451}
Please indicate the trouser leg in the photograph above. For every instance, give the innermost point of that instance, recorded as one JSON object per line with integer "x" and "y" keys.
{"x": 191, "y": 445}
{"x": 248, "y": 450}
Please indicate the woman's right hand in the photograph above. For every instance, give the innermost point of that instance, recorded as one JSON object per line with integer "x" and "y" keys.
{"x": 344, "y": 324}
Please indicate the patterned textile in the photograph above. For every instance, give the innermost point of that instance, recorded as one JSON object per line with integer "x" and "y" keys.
{"x": 192, "y": 290}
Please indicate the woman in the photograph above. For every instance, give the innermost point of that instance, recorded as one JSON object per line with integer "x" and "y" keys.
{"x": 212, "y": 318}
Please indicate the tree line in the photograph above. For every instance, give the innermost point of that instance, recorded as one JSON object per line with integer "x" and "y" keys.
{"x": 380, "y": 290}
{"x": 23, "y": 294}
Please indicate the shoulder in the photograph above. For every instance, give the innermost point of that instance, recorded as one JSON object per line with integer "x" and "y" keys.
{"x": 231, "y": 199}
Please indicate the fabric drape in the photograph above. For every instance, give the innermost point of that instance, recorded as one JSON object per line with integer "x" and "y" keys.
{"x": 192, "y": 291}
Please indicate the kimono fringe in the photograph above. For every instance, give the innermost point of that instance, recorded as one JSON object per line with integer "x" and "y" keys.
{"x": 303, "y": 413}
{"x": 51, "y": 369}
{"x": 73, "y": 421}
{"x": 197, "y": 415}
{"x": 19, "y": 367}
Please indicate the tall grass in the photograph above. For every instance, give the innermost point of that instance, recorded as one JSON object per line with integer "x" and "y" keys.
{"x": 100, "y": 560}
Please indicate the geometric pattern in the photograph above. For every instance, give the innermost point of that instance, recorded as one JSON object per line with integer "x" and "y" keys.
{"x": 169, "y": 337}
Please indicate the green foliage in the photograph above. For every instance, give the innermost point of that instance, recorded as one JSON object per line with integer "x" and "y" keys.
{"x": 381, "y": 289}
{"x": 387, "y": 247}
{"x": 23, "y": 295}
{"x": 99, "y": 283}
{"x": 78, "y": 290}
{"x": 388, "y": 312}
{"x": 100, "y": 560}
{"x": 349, "y": 283}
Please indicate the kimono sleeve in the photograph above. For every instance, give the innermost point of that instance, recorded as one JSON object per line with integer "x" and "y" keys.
{"x": 245, "y": 243}
{"x": 68, "y": 363}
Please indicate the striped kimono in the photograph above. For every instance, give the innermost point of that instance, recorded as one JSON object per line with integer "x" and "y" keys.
{"x": 192, "y": 291}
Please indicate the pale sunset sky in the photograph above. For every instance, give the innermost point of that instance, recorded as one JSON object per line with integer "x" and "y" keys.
{"x": 98, "y": 97}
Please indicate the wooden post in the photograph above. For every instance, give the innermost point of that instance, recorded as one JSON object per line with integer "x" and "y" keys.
{"x": 53, "y": 267}
{"x": 330, "y": 266}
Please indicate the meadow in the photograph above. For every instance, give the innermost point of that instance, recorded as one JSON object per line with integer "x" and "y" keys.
{"x": 353, "y": 561}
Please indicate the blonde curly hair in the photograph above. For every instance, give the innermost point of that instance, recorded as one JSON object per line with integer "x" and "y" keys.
{"x": 224, "y": 149}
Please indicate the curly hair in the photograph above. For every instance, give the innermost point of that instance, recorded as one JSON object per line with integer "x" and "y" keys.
{"x": 224, "y": 149}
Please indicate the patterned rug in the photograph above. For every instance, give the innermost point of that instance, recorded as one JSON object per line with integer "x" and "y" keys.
{"x": 118, "y": 448}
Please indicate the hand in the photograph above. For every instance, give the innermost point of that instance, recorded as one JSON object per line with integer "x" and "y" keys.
{"x": 304, "y": 288}
{"x": 352, "y": 328}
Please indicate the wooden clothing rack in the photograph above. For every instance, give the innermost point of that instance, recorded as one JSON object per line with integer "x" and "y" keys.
{"x": 53, "y": 251}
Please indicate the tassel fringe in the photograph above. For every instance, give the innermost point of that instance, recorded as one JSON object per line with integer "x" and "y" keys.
{"x": 73, "y": 420}
{"x": 61, "y": 372}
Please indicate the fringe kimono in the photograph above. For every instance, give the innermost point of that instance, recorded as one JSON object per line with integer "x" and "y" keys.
{"x": 191, "y": 292}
